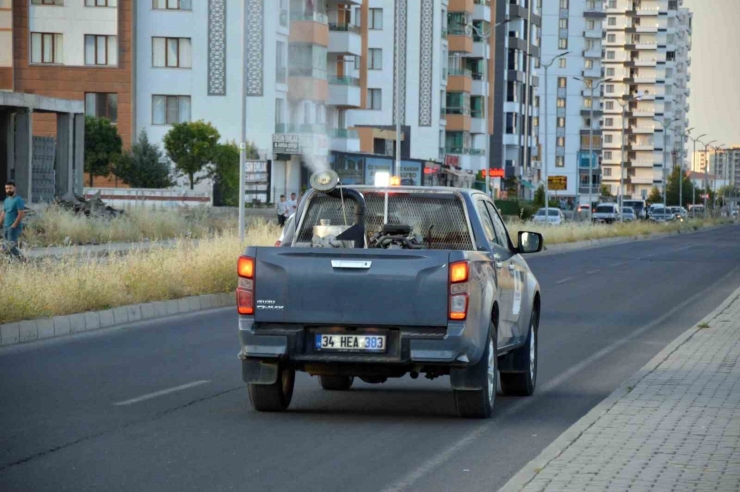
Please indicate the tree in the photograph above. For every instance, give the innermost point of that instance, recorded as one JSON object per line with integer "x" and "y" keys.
{"x": 672, "y": 192}
{"x": 606, "y": 192}
{"x": 191, "y": 146}
{"x": 224, "y": 170}
{"x": 655, "y": 196}
{"x": 103, "y": 146}
{"x": 144, "y": 166}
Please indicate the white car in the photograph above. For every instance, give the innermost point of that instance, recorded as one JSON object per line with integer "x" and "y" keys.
{"x": 606, "y": 213}
{"x": 555, "y": 217}
{"x": 628, "y": 214}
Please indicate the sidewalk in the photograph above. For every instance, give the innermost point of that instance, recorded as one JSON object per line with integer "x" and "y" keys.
{"x": 675, "y": 425}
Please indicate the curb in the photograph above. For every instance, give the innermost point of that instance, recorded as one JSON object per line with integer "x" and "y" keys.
{"x": 59, "y": 326}
{"x": 530, "y": 470}
{"x": 560, "y": 248}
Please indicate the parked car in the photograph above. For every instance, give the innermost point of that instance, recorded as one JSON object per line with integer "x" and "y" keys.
{"x": 659, "y": 213}
{"x": 639, "y": 207}
{"x": 555, "y": 217}
{"x": 679, "y": 213}
{"x": 583, "y": 208}
{"x": 628, "y": 214}
{"x": 606, "y": 213}
{"x": 434, "y": 286}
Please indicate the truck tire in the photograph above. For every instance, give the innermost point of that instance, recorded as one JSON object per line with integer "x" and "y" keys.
{"x": 336, "y": 383}
{"x": 478, "y": 404}
{"x": 274, "y": 397}
{"x": 523, "y": 383}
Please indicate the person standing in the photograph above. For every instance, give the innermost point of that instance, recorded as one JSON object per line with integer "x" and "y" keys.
{"x": 293, "y": 204}
{"x": 283, "y": 210}
{"x": 12, "y": 217}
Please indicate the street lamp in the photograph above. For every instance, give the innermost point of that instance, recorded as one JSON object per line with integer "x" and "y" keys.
{"x": 687, "y": 134}
{"x": 485, "y": 36}
{"x": 621, "y": 160}
{"x": 666, "y": 127}
{"x": 547, "y": 126}
{"x": 716, "y": 148}
{"x": 594, "y": 86}
{"x": 693, "y": 166}
{"x": 706, "y": 175}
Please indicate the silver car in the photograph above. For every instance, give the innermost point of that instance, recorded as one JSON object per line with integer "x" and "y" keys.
{"x": 555, "y": 216}
{"x": 606, "y": 213}
{"x": 628, "y": 214}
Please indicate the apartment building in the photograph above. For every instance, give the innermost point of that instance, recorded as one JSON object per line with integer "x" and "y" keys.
{"x": 516, "y": 105}
{"x": 646, "y": 56}
{"x": 72, "y": 49}
{"x": 6, "y": 43}
{"x": 573, "y": 27}
{"x": 723, "y": 163}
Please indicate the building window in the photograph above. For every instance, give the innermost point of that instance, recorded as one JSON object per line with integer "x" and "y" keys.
{"x": 610, "y": 105}
{"x": 610, "y": 55}
{"x": 610, "y": 72}
{"x": 608, "y": 138}
{"x": 610, "y": 122}
{"x": 609, "y": 88}
{"x": 168, "y": 110}
{"x": 47, "y": 2}
{"x": 376, "y": 59}
{"x": 563, "y": 43}
{"x": 101, "y": 3}
{"x": 281, "y": 71}
{"x": 169, "y": 4}
{"x": 101, "y": 105}
{"x": 611, "y": 38}
{"x": 561, "y": 102}
{"x": 47, "y": 48}
{"x": 612, "y": 4}
{"x": 590, "y": 25}
{"x": 279, "y": 110}
{"x": 374, "y": 99}
{"x": 588, "y": 83}
{"x": 561, "y": 142}
{"x": 608, "y": 154}
{"x": 589, "y": 64}
{"x": 172, "y": 52}
{"x": 561, "y": 122}
{"x": 376, "y": 19}
{"x": 562, "y": 82}
{"x": 563, "y": 62}
{"x": 564, "y": 4}
{"x": 560, "y": 161}
{"x": 612, "y": 21}
{"x": 101, "y": 50}
{"x": 563, "y": 23}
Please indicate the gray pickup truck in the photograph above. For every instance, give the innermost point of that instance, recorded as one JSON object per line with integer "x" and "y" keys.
{"x": 376, "y": 284}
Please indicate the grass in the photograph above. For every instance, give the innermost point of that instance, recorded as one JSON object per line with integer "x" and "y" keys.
{"x": 703, "y": 326}
{"x": 583, "y": 231}
{"x": 68, "y": 286}
{"x": 54, "y": 226}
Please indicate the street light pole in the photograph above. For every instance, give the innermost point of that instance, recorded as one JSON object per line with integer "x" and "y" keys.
{"x": 706, "y": 175}
{"x": 621, "y": 165}
{"x": 243, "y": 107}
{"x": 666, "y": 127}
{"x": 680, "y": 174}
{"x": 547, "y": 127}
{"x": 717, "y": 148}
{"x": 398, "y": 89}
{"x": 693, "y": 167}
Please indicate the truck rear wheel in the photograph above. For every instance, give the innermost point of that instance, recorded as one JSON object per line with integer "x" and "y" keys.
{"x": 336, "y": 383}
{"x": 523, "y": 383}
{"x": 274, "y": 397}
{"x": 479, "y": 404}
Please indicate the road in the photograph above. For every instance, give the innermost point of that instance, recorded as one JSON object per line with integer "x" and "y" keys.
{"x": 162, "y": 407}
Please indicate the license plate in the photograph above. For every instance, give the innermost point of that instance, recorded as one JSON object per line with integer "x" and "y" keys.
{"x": 351, "y": 343}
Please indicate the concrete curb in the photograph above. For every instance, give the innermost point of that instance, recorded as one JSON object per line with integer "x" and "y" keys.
{"x": 59, "y": 326}
{"x": 567, "y": 438}
{"x": 556, "y": 249}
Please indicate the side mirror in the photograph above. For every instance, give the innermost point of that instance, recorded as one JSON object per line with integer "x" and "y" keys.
{"x": 530, "y": 242}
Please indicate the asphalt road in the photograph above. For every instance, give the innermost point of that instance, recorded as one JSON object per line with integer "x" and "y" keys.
{"x": 162, "y": 406}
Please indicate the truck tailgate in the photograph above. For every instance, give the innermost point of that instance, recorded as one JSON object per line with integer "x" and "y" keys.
{"x": 344, "y": 287}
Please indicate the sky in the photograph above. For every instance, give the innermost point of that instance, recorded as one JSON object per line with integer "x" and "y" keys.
{"x": 715, "y": 70}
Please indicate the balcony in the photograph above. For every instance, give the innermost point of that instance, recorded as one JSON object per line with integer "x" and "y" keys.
{"x": 646, "y": 163}
{"x": 478, "y": 88}
{"x": 482, "y": 10}
{"x": 477, "y": 123}
{"x": 592, "y": 34}
{"x": 642, "y": 130}
{"x": 641, "y": 180}
{"x": 594, "y": 73}
{"x": 592, "y": 53}
{"x": 308, "y": 128}
{"x": 645, "y": 62}
{"x": 643, "y": 146}
{"x": 345, "y": 39}
{"x": 344, "y": 140}
{"x": 309, "y": 28}
{"x": 344, "y": 92}
{"x": 481, "y": 50}
{"x": 460, "y": 80}
{"x": 460, "y": 41}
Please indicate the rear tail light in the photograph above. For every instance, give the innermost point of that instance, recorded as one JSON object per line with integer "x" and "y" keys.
{"x": 459, "y": 299}
{"x": 245, "y": 287}
{"x": 278, "y": 243}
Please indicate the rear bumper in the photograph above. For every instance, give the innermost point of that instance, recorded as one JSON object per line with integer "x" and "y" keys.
{"x": 452, "y": 346}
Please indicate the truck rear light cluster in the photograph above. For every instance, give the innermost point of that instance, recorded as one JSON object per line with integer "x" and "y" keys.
{"x": 459, "y": 274}
{"x": 245, "y": 287}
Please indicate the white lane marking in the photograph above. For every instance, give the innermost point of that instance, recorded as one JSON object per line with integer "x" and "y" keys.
{"x": 616, "y": 264}
{"x": 662, "y": 253}
{"x": 160, "y": 393}
{"x": 592, "y": 272}
{"x": 443, "y": 457}
{"x": 564, "y": 280}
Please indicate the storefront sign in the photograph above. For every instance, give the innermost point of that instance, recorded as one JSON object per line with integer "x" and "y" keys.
{"x": 295, "y": 143}
{"x": 374, "y": 165}
{"x": 410, "y": 173}
{"x": 255, "y": 172}
{"x": 557, "y": 183}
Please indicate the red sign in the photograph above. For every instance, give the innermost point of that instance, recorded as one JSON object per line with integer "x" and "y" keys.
{"x": 452, "y": 160}
{"x": 497, "y": 173}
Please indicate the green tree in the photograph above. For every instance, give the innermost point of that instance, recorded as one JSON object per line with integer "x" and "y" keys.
{"x": 655, "y": 196}
{"x": 224, "y": 170}
{"x": 673, "y": 188}
{"x": 144, "y": 166}
{"x": 191, "y": 146}
{"x": 103, "y": 146}
{"x": 606, "y": 191}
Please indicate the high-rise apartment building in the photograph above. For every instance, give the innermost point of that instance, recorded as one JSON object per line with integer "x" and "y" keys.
{"x": 575, "y": 27}
{"x": 724, "y": 164}
{"x": 646, "y": 56}
{"x": 516, "y": 105}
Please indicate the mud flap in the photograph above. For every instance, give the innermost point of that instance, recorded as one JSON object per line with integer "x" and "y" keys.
{"x": 462, "y": 379}
{"x": 255, "y": 371}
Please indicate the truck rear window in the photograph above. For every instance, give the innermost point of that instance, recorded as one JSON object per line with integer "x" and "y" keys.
{"x": 443, "y": 211}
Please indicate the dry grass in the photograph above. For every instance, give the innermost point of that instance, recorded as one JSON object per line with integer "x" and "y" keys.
{"x": 54, "y": 226}
{"x": 68, "y": 286}
{"x": 571, "y": 232}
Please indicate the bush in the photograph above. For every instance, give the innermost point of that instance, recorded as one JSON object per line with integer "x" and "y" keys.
{"x": 144, "y": 166}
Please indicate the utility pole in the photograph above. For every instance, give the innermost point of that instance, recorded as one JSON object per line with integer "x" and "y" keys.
{"x": 666, "y": 127}
{"x": 621, "y": 163}
{"x": 398, "y": 90}
{"x": 693, "y": 167}
{"x": 687, "y": 134}
{"x": 547, "y": 126}
{"x": 243, "y": 107}
{"x": 485, "y": 37}
{"x": 706, "y": 176}
{"x": 594, "y": 86}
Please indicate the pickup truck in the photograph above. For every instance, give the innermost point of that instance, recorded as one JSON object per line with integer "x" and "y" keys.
{"x": 375, "y": 283}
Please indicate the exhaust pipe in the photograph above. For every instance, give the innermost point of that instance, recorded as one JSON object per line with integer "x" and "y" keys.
{"x": 327, "y": 182}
